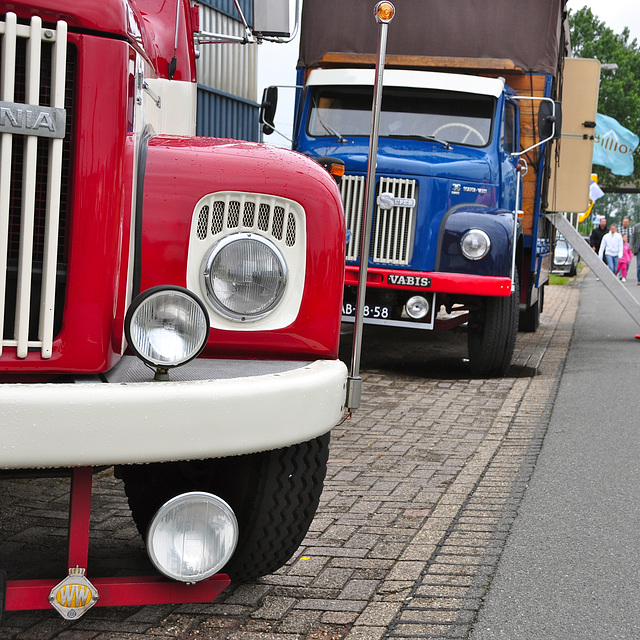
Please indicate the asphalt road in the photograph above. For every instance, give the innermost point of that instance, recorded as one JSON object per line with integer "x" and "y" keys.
{"x": 571, "y": 566}
{"x": 423, "y": 497}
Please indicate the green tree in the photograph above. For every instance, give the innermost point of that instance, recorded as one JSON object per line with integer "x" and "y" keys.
{"x": 617, "y": 205}
{"x": 619, "y": 90}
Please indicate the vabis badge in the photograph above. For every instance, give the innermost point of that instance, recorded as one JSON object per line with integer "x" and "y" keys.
{"x": 74, "y": 596}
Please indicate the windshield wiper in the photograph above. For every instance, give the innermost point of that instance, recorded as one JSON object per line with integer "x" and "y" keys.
{"x": 333, "y": 132}
{"x": 326, "y": 127}
{"x": 417, "y": 136}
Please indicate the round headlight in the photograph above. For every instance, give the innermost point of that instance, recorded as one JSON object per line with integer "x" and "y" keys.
{"x": 417, "y": 307}
{"x": 475, "y": 244}
{"x": 192, "y": 536}
{"x": 245, "y": 276}
{"x": 167, "y": 326}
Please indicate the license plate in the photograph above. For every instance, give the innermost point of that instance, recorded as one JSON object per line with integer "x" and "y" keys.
{"x": 378, "y": 312}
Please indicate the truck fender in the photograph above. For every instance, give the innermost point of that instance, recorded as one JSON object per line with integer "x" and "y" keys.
{"x": 498, "y": 224}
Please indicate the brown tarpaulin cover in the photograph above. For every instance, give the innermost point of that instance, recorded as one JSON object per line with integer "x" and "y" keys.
{"x": 524, "y": 31}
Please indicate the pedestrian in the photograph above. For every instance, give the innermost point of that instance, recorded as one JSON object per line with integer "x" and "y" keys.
{"x": 627, "y": 230}
{"x": 624, "y": 261}
{"x": 634, "y": 242}
{"x": 597, "y": 234}
{"x": 611, "y": 248}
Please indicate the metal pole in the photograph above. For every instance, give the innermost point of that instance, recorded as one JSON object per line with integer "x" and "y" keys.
{"x": 384, "y": 13}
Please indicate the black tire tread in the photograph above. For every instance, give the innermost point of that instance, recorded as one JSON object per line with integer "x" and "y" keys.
{"x": 274, "y": 495}
{"x": 492, "y": 336}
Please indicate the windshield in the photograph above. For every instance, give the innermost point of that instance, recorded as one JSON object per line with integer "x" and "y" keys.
{"x": 406, "y": 113}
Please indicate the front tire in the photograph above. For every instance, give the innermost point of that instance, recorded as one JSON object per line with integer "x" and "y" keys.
{"x": 274, "y": 495}
{"x": 492, "y": 335}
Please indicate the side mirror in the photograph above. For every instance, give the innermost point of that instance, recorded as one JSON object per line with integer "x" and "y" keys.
{"x": 268, "y": 110}
{"x": 548, "y": 115}
{"x": 271, "y": 18}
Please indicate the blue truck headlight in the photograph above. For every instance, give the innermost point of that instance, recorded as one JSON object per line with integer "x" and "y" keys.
{"x": 245, "y": 276}
{"x": 192, "y": 536}
{"x": 475, "y": 244}
{"x": 167, "y": 326}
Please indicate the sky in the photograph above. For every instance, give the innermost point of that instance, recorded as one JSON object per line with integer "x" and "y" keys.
{"x": 277, "y": 62}
{"x": 616, "y": 14}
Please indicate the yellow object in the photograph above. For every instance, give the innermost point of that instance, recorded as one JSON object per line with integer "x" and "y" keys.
{"x": 385, "y": 11}
{"x": 583, "y": 216}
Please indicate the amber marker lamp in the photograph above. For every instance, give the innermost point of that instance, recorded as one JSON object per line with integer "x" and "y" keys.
{"x": 384, "y": 12}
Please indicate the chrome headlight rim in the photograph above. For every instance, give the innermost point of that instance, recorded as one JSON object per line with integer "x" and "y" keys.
{"x": 135, "y": 308}
{"x": 208, "y": 288}
{"x": 419, "y": 302}
{"x": 165, "y": 514}
{"x": 485, "y": 243}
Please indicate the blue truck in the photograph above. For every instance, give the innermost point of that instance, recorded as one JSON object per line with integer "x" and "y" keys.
{"x": 467, "y": 159}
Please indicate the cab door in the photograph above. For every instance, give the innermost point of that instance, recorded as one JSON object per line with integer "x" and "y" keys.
{"x": 509, "y": 144}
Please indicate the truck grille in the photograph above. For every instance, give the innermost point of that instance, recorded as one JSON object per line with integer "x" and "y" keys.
{"x": 36, "y": 68}
{"x": 229, "y": 212}
{"x": 392, "y": 230}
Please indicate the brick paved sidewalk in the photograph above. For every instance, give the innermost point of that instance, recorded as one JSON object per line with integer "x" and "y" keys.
{"x": 422, "y": 487}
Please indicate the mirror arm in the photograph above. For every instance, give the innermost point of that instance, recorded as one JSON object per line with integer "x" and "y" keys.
{"x": 206, "y": 37}
{"x": 517, "y": 154}
{"x": 274, "y": 130}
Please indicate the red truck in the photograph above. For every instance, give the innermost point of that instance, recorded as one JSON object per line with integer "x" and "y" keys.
{"x": 170, "y": 305}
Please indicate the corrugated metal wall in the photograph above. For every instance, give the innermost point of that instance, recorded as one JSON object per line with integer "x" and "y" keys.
{"x": 227, "y": 76}
{"x": 223, "y": 116}
{"x": 229, "y": 7}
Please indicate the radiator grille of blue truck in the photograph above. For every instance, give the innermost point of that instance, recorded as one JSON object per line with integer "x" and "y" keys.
{"x": 392, "y": 230}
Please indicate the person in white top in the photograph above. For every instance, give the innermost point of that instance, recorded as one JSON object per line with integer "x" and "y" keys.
{"x": 611, "y": 248}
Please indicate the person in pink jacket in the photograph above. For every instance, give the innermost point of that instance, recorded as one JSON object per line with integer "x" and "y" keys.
{"x": 623, "y": 262}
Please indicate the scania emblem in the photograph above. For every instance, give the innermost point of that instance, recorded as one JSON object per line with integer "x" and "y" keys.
{"x": 74, "y": 596}
{"x": 32, "y": 120}
{"x": 388, "y": 201}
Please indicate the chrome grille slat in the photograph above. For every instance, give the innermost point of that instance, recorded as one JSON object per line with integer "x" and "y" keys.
{"x": 23, "y": 297}
{"x": 392, "y": 230}
{"x": 54, "y": 182}
{"x": 7, "y": 78}
{"x": 394, "y": 227}
{"x": 39, "y": 160}
{"x": 352, "y": 188}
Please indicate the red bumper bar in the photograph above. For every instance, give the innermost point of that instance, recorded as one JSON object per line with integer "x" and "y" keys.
{"x": 113, "y": 592}
{"x": 460, "y": 283}
{"x": 119, "y": 592}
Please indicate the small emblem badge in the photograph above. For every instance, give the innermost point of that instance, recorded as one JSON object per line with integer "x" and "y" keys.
{"x": 32, "y": 120}
{"x": 409, "y": 281}
{"x": 74, "y": 596}
{"x": 387, "y": 201}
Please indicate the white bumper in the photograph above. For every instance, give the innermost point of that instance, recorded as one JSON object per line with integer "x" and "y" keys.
{"x": 210, "y": 408}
